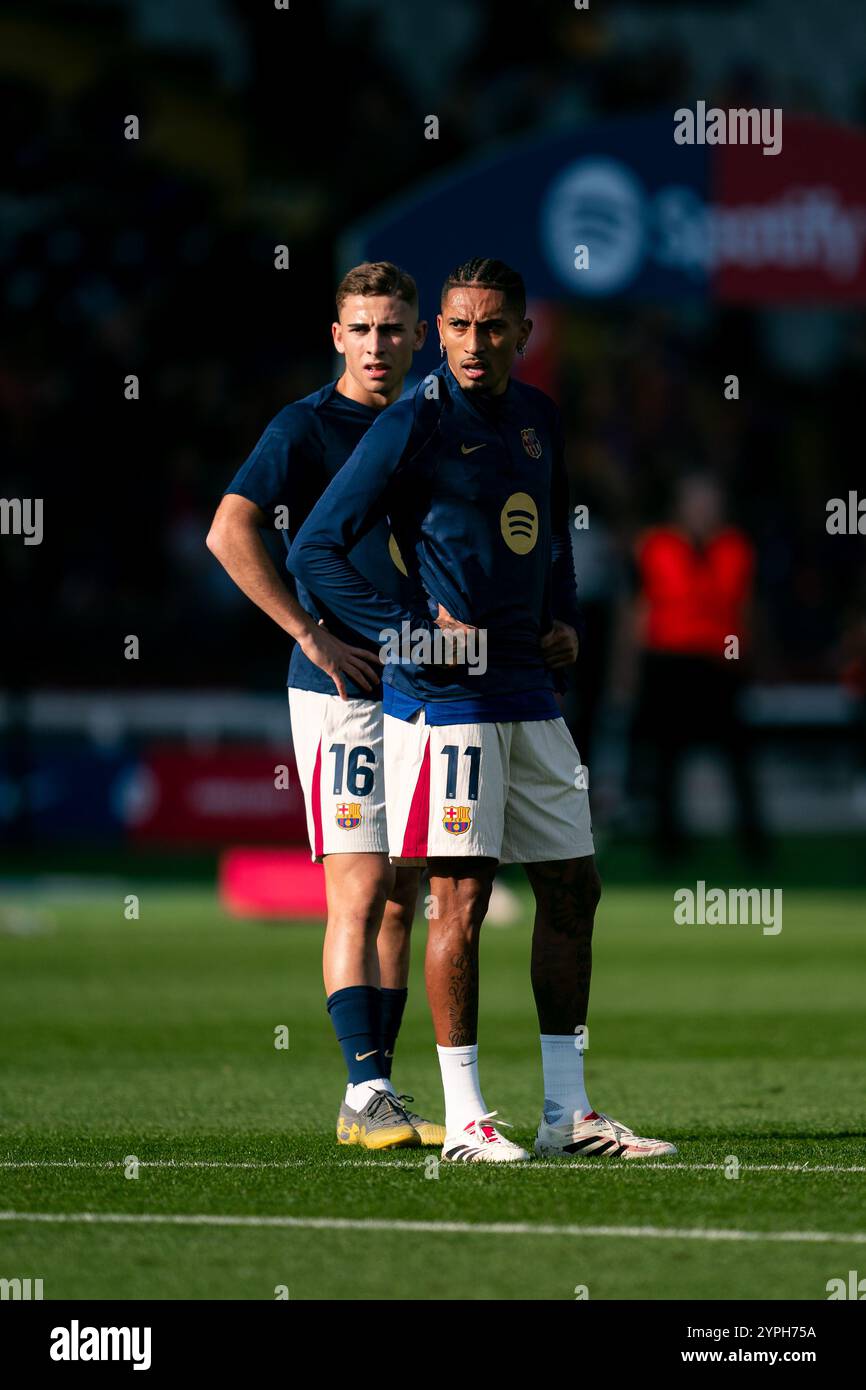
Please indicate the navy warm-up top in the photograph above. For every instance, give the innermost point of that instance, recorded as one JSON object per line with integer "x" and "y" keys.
{"x": 475, "y": 493}
{"x": 300, "y": 451}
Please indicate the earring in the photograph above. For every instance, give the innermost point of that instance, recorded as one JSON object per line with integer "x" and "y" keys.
{"x": 521, "y": 349}
{"x": 441, "y": 349}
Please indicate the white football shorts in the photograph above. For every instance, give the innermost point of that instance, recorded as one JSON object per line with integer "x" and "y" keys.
{"x": 515, "y": 792}
{"x": 339, "y": 754}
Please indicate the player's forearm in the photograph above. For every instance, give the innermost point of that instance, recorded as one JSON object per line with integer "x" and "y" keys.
{"x": 244, "y": 558}
{"x": 563, "y": 589}
{"x": 332, "y": 577}
{"x": 564, "y": 605}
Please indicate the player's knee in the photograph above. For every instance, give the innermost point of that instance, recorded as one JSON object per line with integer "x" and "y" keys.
{"x": 357, "y": 893}
{"x": 591, "y": 888}
{"x": 586, "y": 893}
{"x": 403, "y": 896}
{"x": 573, "y": 880}
{"x": 397, "y": 917}
{"x": 468, "y": 908}
{"x": 463, "y": 905}
{"x": 372, "y": 892}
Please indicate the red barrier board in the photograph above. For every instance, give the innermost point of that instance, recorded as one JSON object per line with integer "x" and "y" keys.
{"x": 218, "y": 796}
{"x": 272, "y": 883}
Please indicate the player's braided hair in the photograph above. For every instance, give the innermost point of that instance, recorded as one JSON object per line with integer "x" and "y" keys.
{"x": 490, "y": 274}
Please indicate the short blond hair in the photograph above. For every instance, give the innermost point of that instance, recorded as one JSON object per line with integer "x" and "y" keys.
{"x": 377, "y": 277}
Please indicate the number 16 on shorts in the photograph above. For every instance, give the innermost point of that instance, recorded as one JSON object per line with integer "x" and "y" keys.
{"x": 339, "y": 751}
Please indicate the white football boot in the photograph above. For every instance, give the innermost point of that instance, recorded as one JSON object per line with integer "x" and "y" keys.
{"x": 481, "y": 1142}
{"x": 597, "y": 1136}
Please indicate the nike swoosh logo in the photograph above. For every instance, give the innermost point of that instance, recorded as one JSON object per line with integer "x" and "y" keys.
{"x": 465, "y": 449}
{"x": 388, "y": 1054}
{"x": 469, "y": 1064}
{"x": 362, "y": 1056}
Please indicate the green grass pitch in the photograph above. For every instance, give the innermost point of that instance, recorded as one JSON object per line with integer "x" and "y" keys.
{"x": 155, "y": 1039}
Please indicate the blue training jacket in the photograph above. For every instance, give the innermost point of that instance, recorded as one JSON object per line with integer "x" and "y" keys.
{"x": 475, "y": 493}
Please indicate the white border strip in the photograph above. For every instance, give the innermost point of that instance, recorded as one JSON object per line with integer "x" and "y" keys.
{"x": 464, "y": 1228}
{"x": 347, "y": 1164}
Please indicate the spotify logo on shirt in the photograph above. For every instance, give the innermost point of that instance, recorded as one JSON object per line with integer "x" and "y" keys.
{"x": 519, "y": 523}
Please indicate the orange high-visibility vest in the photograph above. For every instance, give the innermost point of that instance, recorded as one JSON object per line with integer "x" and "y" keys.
{"x": 695, "y": 598}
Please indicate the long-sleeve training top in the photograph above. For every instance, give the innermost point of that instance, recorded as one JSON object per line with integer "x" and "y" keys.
{"x": 475, "y": 493}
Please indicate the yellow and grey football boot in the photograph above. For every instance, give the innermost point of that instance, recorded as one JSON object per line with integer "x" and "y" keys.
{"x": 381, "y": 1124}
{"x": 432, "y": 1135}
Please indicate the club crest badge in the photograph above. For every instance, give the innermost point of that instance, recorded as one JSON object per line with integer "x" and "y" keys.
{"x": 349, "y": 815}
{"x": 531, "y": 443}
{"x": 456, "y": 819}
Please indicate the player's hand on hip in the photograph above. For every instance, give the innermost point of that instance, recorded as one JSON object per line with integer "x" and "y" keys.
{"x": 445, "y": 621}
{"x": 559, "y": 646}
{"x": 338, "y": 659}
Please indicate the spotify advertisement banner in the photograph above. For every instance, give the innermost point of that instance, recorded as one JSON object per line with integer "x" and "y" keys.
{"x": 745, "y": 207}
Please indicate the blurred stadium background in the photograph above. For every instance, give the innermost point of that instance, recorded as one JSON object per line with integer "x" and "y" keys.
{"x": 305, "y": 127}
{"x": 155, "y": 257}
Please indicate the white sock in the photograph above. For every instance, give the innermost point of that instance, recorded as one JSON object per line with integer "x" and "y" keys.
{"x": 463, "y": 1099}
{"x": 565, "y": 1097}
{"x": 358, "y": 1096}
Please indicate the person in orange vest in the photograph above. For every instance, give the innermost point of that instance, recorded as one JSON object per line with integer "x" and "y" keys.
{"x": 696, "y": 581}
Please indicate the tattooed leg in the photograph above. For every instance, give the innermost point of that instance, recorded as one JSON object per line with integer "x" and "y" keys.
{"x": 460, "y": 892}
{"x": 566, "y": 896}
{"x": 462, "y": 979}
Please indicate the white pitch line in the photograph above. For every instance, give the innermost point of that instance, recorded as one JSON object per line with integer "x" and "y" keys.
{"x": 556, "y": 1166}
{"x": 468, "y": 1228}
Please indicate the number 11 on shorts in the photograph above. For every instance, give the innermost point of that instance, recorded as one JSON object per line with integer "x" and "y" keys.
{"x": 452, "y": 753}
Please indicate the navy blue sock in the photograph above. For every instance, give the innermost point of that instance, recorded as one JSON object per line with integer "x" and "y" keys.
{"x": 356, "y": 1013}
{"x": 393, "y": 1004}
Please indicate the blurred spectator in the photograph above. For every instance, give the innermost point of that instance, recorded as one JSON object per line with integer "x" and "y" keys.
{"x": 696, "y": 579}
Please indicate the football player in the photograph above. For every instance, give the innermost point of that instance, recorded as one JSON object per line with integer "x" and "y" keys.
{"x": 335, "y": 691}
{"x": 480, "y": 766}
